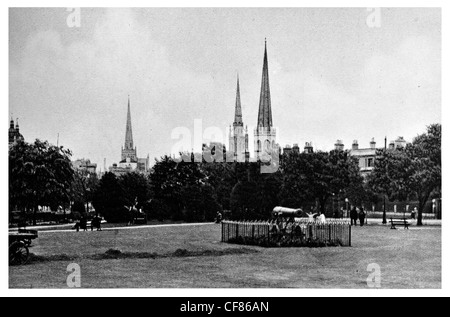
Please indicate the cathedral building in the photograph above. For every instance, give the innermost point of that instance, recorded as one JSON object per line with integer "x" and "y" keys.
{"x": 238, "y": 137}
{"x": 13, "y": 132}
{"x": 129, "y": 160}
{"x": 265, "y": 134}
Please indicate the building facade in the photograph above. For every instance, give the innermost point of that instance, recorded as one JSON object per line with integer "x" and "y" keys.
{"x": 367, "y": 156}
{"x": 14, "y": 132}
{"x": 85, "y": 165}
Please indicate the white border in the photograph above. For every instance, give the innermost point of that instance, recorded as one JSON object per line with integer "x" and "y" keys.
{"x": 4, "y": 291}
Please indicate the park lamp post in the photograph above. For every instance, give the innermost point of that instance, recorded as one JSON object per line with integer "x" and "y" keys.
{"x": 384, "y": 195}
{"x": 332, "y": 201}
{"x": 346, "y": 207}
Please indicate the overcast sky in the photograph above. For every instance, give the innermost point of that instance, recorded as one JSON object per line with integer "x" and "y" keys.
{"x": 331, "y": 75}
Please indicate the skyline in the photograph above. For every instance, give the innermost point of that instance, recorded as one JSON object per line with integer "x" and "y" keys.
{"x": 326, "y": 74}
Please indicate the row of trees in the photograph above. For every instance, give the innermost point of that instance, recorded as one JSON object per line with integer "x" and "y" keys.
{"x": 180, "y": 190}
{"x": 412, "y": 173}
{"x": 41, "y": 175}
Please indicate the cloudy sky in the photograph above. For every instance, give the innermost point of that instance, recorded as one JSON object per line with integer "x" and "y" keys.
{"x": 332, "y": 76}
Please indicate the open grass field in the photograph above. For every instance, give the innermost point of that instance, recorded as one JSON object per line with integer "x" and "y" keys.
{"x": 193, "y": 257}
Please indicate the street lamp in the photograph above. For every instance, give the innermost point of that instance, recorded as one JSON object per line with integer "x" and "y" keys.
{"x": 384, "y": 195}
{"x": 334, "y": 212}
{"x": 346, "y": 207}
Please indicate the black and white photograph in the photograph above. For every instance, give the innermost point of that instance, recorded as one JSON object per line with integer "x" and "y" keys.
{"x": 224, "y": 148}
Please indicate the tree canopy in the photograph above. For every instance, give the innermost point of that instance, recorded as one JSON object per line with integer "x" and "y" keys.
{"x": 412, "y": 172}
{"x": 40, "y": 174}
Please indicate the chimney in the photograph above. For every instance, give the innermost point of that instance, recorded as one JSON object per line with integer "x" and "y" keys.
{"x": 308, "y": 147}
{"x": 391, "y": 145}
{"x": 295, "y": 148}
{"x": 373, "y": 144}
{"x": 287, "y": 149}
{"x": 339, "y": 146}
{"x": 400, "y": 142}
{"x": 355, "y": 145}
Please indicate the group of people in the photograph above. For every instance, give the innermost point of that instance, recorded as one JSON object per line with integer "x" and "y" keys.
{"x": 357, "y": 213}
{"x": 317, "y": 216}
{"x": 82, "y": 223}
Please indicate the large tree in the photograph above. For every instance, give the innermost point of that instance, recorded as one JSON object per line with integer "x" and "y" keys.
{"x": 411, "y": 172}
{"x": 40, "y": 174}
{"x": 424, "y": 168}
{"x": 222, "y": 177}
{"x": 317, "y": 176}
{"x": 83, "y": 187}
{"x": 136, "y": 189}
{"x": 109, "y": 199}
{"x": 183, "y": 189}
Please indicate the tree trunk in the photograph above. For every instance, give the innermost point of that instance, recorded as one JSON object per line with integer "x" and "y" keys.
{"x": 34, "y": 215}
{"x": 422, "y": 201}
{"x": 322, "y": 203}
{"x": 64, "y": 212}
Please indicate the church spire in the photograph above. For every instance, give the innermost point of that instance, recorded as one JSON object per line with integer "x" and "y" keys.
{"x": 265, "y": 111}
{"x": 128, "y": 133}
{"x": 238, "y": 110}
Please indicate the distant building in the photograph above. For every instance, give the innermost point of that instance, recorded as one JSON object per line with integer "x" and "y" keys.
{"x": 265, "y": 134}
{"x": 120, "y": 170}
{"x": 85, "y": 165}
{"x": 399, "y": 143}
{"x": 339, "y": 145}
{"x": 129, "y": 160}
{"x": 308, "y": 148}
{"x": 366, "y": 156}
{"x": 296, "y": 149}
{"x": 287, "y": 149}
{"x": 13, "y": 132}
{"x": 216, "y": 152}
{"x": 238, "y": 138}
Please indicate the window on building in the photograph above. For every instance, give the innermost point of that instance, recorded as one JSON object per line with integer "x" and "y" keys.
{"x": 362, "y": 163}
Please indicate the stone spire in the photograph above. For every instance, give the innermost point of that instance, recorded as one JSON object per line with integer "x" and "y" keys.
{"x": 129, "y": 132}
{"x": 238, "y": 110}
{"x": 265, "y": 111}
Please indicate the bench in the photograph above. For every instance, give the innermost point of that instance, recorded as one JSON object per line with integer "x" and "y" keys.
{"x": 399, "y": 222}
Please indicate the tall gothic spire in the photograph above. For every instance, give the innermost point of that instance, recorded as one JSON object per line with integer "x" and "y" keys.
{"x": 238, "y": 110}
{"x": 265, "y": 111}
{"x": 128, "y": 133}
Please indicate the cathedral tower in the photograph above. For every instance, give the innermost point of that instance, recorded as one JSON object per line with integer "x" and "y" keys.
{"x": 128, "y": 152}
{"x": 238, "y": 140}
{"x": 265, "y": 134}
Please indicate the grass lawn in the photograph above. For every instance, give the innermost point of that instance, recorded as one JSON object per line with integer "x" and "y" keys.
{"x": 407, "y": 258}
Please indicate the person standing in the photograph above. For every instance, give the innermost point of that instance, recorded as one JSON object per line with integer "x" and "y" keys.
{"x": 322, "y": 219}
{"x": 353, "y": 215}
{"x": 362, "y": 216}
{"x": 83, "y": 223}
{"x": 413, "y": 213}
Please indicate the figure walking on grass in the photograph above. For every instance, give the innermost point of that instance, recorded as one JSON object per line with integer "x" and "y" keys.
{"x": 362, "y": 216}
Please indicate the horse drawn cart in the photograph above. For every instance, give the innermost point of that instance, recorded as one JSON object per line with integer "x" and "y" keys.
{"x": 19, "y": 242}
